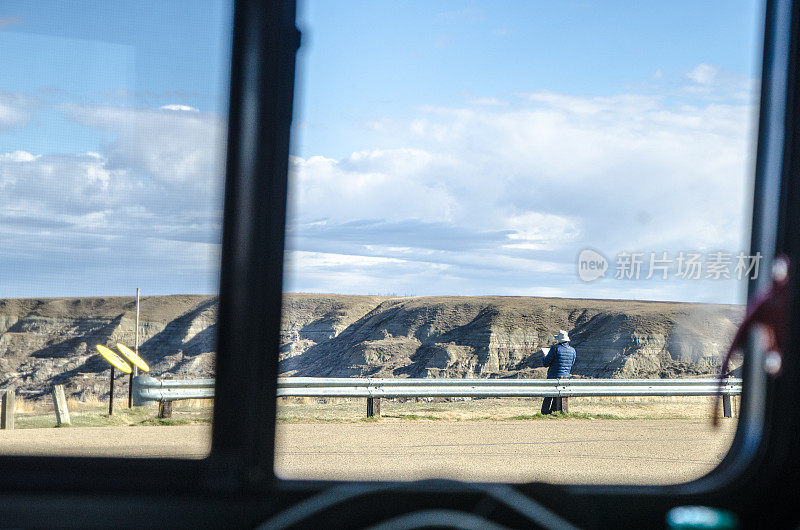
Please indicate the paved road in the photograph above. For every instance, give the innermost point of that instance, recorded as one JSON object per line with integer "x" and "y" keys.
{"x": 585, "y": 451}
{"x": 565, "y": 451}
{"x": 184, "y": 441}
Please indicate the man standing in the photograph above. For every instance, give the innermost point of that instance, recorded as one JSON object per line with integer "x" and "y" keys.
{"x": 559, "y": 361}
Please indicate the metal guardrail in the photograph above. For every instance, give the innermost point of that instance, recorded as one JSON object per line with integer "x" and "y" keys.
{"x": 392, "y": 388}
{"x": 149, "y": 390}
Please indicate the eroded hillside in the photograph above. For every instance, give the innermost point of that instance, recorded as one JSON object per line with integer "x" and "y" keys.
{"x": 49, "y": 341}
{"x": 502, "y": 336}
{"x": 52, "y": 340}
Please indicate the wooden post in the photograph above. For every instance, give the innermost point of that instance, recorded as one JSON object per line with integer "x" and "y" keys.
{"x": 165, "y": 409}
{"x": 727, "y": 406}
{"x": 111, "y": 393}
{"x": 60, "y": 404}
{"x": 7, "y": 408}
{"x": 565, "y": 405}
{"x": 373, "y": 407}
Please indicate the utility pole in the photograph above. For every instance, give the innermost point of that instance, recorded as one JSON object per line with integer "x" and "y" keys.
{"x": 135, "y": 371}
{"x": 136, "y": 345}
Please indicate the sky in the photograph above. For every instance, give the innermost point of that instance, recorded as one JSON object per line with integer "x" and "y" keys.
{"x": 447, "y": 147}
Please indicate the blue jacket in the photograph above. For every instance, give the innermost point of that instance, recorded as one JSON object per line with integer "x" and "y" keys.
{"x": 559, "y": 361}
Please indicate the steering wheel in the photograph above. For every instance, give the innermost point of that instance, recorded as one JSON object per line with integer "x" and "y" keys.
{"x": 359, "y": 506}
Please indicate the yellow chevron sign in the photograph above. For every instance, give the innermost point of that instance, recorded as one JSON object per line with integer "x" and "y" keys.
{"x": 114, "y": 359}
{"x": 133, "y": 358}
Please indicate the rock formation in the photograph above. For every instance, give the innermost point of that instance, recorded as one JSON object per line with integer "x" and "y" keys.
{"x": 49, "y": 341}
{"x": 502, "y": 336}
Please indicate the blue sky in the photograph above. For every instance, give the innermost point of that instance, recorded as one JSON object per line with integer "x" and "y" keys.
{"x": 112, "y": 122}
{"x": 367, "y": 59}
{"x": 447, "y": 147}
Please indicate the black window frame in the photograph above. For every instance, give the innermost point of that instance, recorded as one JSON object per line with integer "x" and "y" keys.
{"x": 236, "y": 485}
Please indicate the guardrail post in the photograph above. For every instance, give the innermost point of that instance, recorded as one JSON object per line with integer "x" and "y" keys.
{"x": 165, "y": 409}
{"x": 373, "y": 407}
{"x": 564, "y": 404}
{"x": 7, "y": 408}
{"x": 60, "y": 404}
{"x": 727, "y": 406}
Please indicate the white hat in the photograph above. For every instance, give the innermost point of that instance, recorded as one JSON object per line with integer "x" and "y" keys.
{"x": 562, "y": 336}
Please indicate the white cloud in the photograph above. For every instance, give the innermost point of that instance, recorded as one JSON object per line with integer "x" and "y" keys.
{"x": 185, "y": 108}
{"x": 486, "y": 101}
{"x": 630, "y": 105}
{"x": 354, "y": 274}
{"x": 174, "y": 148}
{"x": 18, "y": 156}
{"x": 149, "y": 200}
{"x": 52, "y": 188}
{"x": 473, "y": 199}
{"x": 529, "y": 185}
{"x": 541, "y": 231}
{"x": 704, "y": 74}
{"x": 381, "y": 184}
{"x": 13, "y": 111}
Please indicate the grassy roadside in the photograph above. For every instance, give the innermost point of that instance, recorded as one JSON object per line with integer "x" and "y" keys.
{"x": 296, "y": 410}
{"x": 429, "y": 417}
{"x": 97, "y": 416}
{"x": 307, "y": 410}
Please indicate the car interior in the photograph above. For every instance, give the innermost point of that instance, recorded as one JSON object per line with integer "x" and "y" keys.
{"x": 236, "y": 485}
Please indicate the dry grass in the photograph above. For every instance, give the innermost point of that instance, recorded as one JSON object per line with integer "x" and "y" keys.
{"x": 344, "y": 409}
{"x": 90, "y": 403}
{"x": 94, "y": 413}
{"x": 40, "y": 406}
{"x": 301, "y": 400}
{"x": 195, "y": 404}
{"x": 43, "y": 406}
{"x": 26, "y": 406}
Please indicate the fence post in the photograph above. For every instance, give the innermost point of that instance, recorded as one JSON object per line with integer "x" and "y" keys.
{"x": 165, "y": 409}
{"x": 60, "y": 404}
{"x": 373, "y": 407}
{"x": 727, "y": 406}
{"x": 7, "y": 408}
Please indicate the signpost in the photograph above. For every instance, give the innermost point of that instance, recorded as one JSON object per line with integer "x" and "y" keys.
{"x": 133, "y": 357}
{"x": 116, "y": 362}
{"x": 138, "y": 364}
{"x": 111, "y": 392}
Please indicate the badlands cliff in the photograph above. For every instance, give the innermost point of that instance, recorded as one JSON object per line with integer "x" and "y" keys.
{"x": 49, "y": 341}
{"x": 344, "y": 336}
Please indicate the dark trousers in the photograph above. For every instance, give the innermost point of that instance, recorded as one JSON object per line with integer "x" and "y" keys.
{"x": 553, "y": 404}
